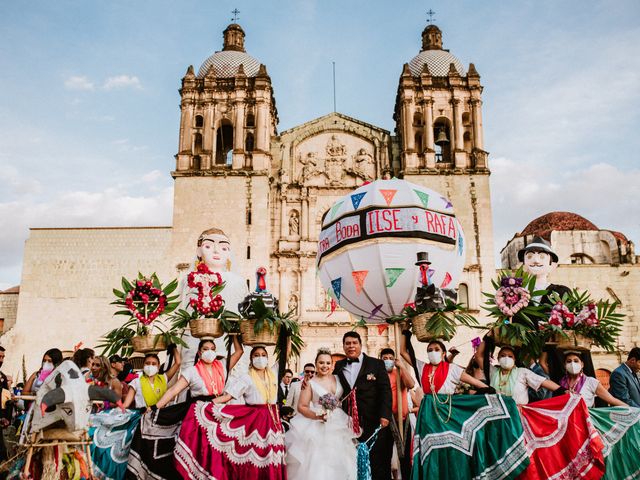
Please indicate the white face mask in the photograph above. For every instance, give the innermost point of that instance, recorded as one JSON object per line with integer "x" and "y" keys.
{"x": 435, "y": 357}
{"x": 47, "y": 366}
{"x": 573, "y": 368}
{"x": 150, "y": 370}
{"x": 388, "y": 364}
{"x": 506, "y": 363}
{"x": 208, "y": 356}
{"x": 259, "y": 362}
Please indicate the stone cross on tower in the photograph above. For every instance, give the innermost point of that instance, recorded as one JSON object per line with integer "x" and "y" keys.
{"x": 235, "y": 12}
{"x": 430, "y": 13}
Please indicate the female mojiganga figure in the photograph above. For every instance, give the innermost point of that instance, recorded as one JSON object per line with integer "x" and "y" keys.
{"x": 214, "y": 249}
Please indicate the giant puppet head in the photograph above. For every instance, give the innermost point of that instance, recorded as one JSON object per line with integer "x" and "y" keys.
{"x": 538, "y": 259}
{"x": 214, "y": 249}
{"x": 65, "y": 397}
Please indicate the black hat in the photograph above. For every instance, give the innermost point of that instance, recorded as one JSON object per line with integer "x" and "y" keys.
{"x": 423, "y": 258}
{"x": 115, "y": 358}
{"x": 538, "y": 244}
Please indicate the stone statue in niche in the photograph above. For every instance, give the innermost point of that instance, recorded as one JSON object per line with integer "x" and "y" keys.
{"x": 293, "y": 304}
{"x": 294, "y": 223}
{"x": 335, "y": 148}
{"x": 363, "y": 165}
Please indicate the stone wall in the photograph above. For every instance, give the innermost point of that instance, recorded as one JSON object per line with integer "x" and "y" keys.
{"x": 67, "y": 281}
{"x": 8, "y": 309}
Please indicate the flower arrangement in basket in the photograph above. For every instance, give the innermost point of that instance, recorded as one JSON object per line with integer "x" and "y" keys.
{"x": 434, "y": 315}
{"x": 261, "y": 323}
{"x": 515, "y": 313}
{"x": 578, "y": 322}
{"x": 205, "y": 311}
{"x": 144, "y": 300}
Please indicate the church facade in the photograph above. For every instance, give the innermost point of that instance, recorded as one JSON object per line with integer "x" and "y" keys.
{"x": 267, "y": 190}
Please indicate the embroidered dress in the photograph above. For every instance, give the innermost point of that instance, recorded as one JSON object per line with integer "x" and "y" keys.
{"x": 516, "y": 383}
{"x": 472, "y": 437}
{"x": 619, "y": 428}
{"x": 112, "y": 432}
{"x": 235, "y": 442}
{"x": 561, "y": 440}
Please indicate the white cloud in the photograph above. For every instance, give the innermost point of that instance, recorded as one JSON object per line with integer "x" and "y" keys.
{"x": 79, "y": 82}
{"x": 122, "y": 81}
{"x": 12, "y": 182}
{"x": 602, "y": 193}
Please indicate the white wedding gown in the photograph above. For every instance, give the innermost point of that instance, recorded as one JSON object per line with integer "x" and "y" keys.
{"x": 319, "y": 450}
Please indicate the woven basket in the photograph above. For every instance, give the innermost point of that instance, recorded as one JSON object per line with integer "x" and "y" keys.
{"x": 575, "y": 341}
{"x": 264, "y": 337}
{"x": 419, "y": 327}
{"x": 501, "y": 341}
{"x": 206, "y": 327}
{"x": 145, "y": 344}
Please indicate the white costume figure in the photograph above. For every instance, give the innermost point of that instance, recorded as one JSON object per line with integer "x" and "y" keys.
{"x": 214, "y": 249}
{"x": 540, "y": 260}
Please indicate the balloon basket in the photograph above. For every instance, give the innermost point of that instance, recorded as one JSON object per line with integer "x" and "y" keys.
{"x": 151, "y": 343}
{"x": 419, "y": 326}
{"x": 503, "y": 341}
{"x": 263, "y": 337}
{"x": 206, "y": 327}
{"x": 573, "y": 341}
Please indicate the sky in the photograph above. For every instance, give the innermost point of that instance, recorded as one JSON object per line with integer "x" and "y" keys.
{"x": 89, "y": 103}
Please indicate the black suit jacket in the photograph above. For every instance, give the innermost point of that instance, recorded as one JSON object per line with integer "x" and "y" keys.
{"x": 281, "y": 393}
{"x": 373, "y": 393}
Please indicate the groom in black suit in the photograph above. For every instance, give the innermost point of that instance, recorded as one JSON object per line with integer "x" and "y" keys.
{"x": 369, "y": 378}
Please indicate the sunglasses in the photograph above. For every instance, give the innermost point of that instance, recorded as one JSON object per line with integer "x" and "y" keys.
{"x": 312, "y": 372}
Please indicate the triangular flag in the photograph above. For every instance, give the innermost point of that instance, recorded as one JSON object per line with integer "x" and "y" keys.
{"x": 358, "y": 279}
{"x": 382, "y": 328}
{"x": 392, "y": 275}
{"x": 334, "y": 305}
{"x": 424, "y": 197}
{"x": 356, "y": 198}
{"x": 375, "y": 311}
{"x": 388, "y": 195}
{"x": 335, "y": 208}
{"x": 460, "y": 244}
{"x": 446, "y": 281}
{"x": 447, "y": 203}
{"x": 337, "y": 287}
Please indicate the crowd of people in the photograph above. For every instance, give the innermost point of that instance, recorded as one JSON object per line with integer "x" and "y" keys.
{"x": 201, "y": 422}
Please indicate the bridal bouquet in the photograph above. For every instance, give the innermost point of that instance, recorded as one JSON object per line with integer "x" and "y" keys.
{"x": 329, "y": 402}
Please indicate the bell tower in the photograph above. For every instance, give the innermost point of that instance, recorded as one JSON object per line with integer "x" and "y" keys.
{"x": 227, "y": 112}
{"x": 438, "y": 116}
{"x": 228, "y": 119}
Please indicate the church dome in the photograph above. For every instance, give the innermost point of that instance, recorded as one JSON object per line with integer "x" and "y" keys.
{"x": 557, "y": 221}
{"x": 438, "y": 62}
{"x": 226, "y": 62}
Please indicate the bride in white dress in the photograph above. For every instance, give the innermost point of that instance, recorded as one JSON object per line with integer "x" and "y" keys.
{"x": 320, "y": 443}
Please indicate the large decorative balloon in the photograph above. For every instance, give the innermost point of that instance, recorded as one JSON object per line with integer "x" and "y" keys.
{"x": 369, "y": 240}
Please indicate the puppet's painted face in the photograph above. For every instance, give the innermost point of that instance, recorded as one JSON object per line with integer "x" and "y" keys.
{"x": 215, "y": 251}
{"x": 538, "y": 263}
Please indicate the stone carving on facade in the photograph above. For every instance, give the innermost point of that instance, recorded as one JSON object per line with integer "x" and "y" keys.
{"x": 293, "y": 304}
{"x": 335, "y": 162}
{"x": 294, "y": 223}
{"x": 309, "y": 166}
{"x": 363, "y": 165}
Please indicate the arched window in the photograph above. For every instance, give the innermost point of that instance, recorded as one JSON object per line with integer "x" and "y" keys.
{"x": 463, "y": 295}
{"x": 224, "y": 143}
{"x": 418, "y": 143}
{"x": 248, "y": 144}
{"x": 467, "y": 142}
{"x": 199, "y": 121}
{"x": 197, "y": 143}
{"x": 251, "y": 120}
{"x": 417, "y": 119}
{"x": 442, "y": 140}
{"x": 466, "y": 119}
{"x": 197, "y": 163}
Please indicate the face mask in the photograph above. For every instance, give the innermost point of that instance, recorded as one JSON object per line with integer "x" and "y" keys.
{"x": 208, "y": 356}
{"x": 388, "y": 364}
{"x": 573, "y": 368}
{"x": 259, "y": 362}
{"x": 150, "y": 370}
{"x": 434, "y": 357}
{"x": 47, "y": 366}
{"x": 506, "y": 363}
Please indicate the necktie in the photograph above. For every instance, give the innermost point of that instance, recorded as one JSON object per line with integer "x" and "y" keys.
{"x": 286, "y": 391}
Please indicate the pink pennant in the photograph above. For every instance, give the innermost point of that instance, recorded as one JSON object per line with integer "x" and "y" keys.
{"x": 333, "y": 307}
{"x": 446, "y": 281}
{"x": 358, "y": 279}
{"x": 382, "y": 328}
{"x": 388, "y": 195}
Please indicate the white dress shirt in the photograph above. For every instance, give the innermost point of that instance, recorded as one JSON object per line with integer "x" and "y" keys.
{"x": 352, "y": 370}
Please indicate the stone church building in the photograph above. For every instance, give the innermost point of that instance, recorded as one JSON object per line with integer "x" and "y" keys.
{"x": 268, "y": 190}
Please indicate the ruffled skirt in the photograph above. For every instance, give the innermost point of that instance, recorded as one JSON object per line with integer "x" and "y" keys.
{"x": 619, "y": 428}
{"x": 319, "y": 451}
{"x": 231, "y": 442}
